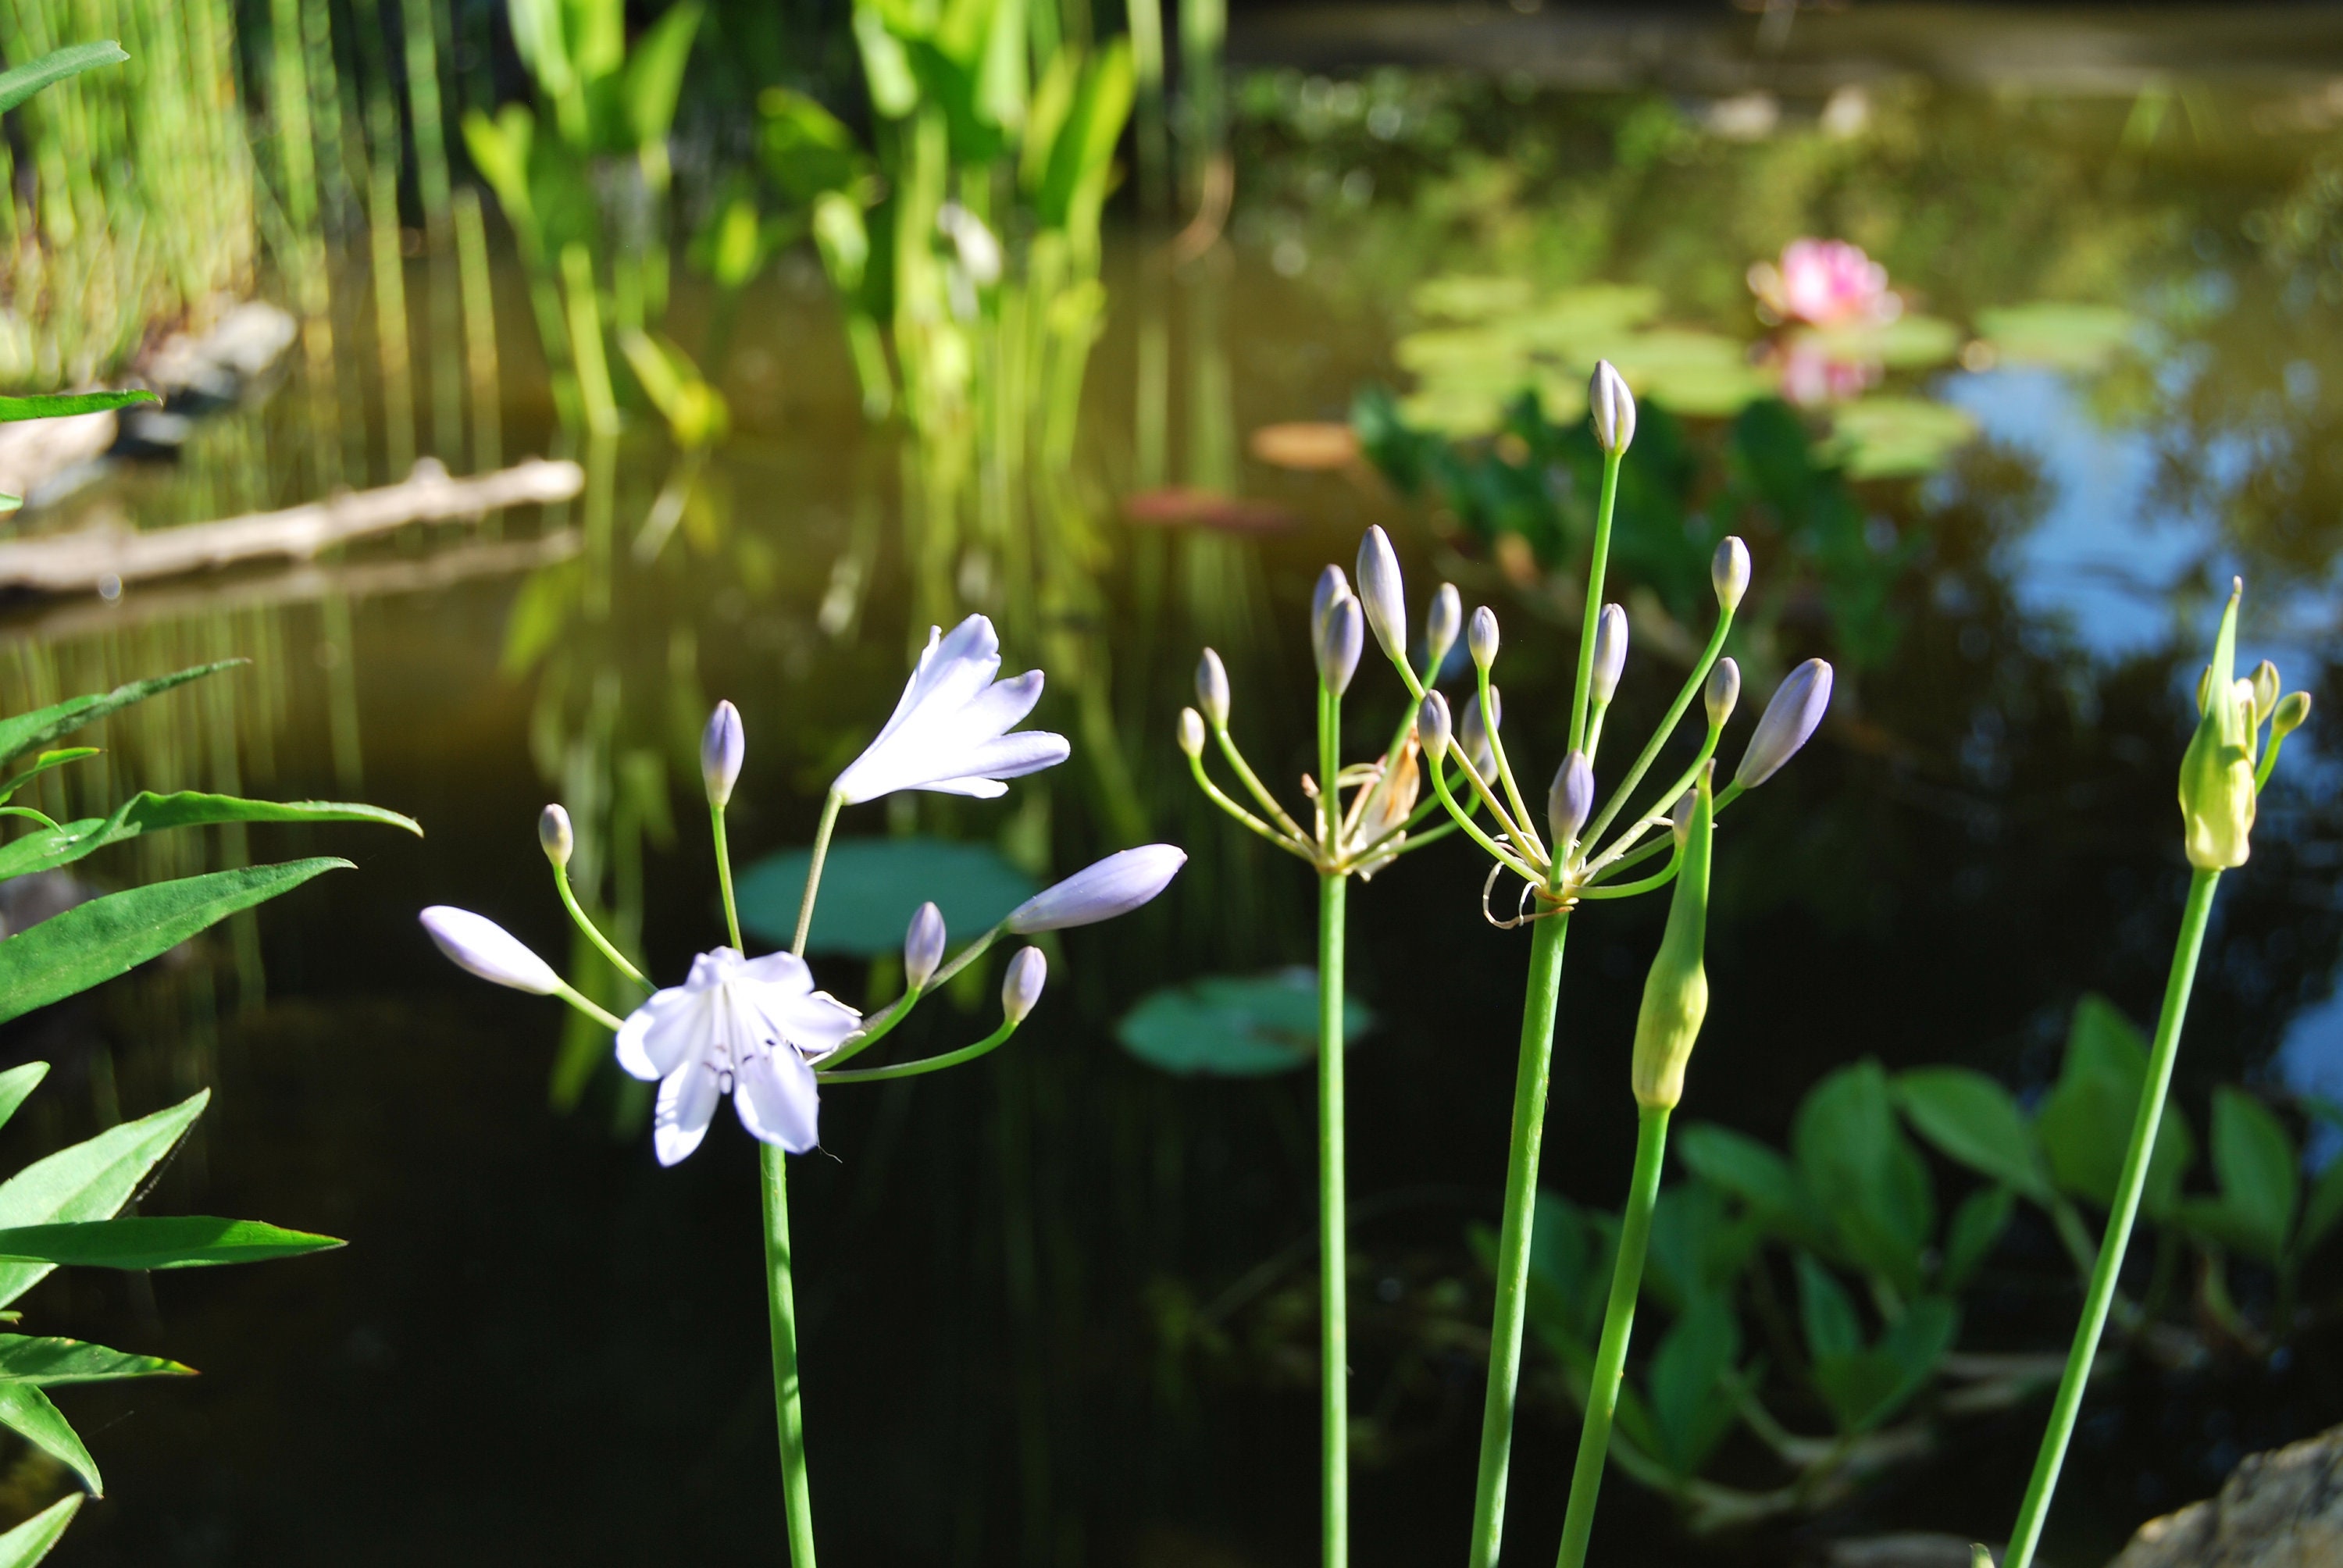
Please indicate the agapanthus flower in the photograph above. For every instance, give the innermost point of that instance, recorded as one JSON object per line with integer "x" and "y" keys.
{"x": 950, "y": 732}
{"x": 750, "y": 1027}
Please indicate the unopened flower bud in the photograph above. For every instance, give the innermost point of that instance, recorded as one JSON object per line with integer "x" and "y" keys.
{"x": 1728, "y": 573}
{"x": 1213, "y": 688}
{"x": 1382, "y": 594}
{"x": 1472, "y": 736}
{"x": 1675, "y": 992}
{"x": 1721, "y": 692}
{"x": 478, "y": 944}
{"x": 1431, "y": 727}
{"x": 1789, "y": 722}
{"x": 1610, "y": 652}
{"x": 1571, "y": 800}
{"x": 1613, "y": 408}
{"x": 1339, "y": 644}
{"x": 1482, "y": 638}
{"x": 2217, "y": 773}
{"x": 1332, "y": 585}
{"x": 923, "y": 946}
{"x": 2266, "y": 691}
{"x": 1191, "y": 732}
{"x": 554, "y": 836}
{"x": 1680, "y": 819}
{"x": 721, "y": 747}
{"x": 2293, "y": 711}
{"x": 1099, "y": 892}
{"x": 1442, "y": 623}
{"x": 1021, "y": 987}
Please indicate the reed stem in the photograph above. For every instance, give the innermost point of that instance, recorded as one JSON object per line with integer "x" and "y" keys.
{"x": 1333, "y": 1257}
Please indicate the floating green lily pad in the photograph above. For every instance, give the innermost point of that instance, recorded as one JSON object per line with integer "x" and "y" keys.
{"x": 1235, "y": 1026}
{"x": 1445, "y": 348}
{"x": 1459, "y": 413}
{"x": 2062, "y": 336}
{"x": 1897, "y": 438}
{"x": 871, "y": 887}
{"x": 1459, "y": 297}
{"x": 1907, "y": 343}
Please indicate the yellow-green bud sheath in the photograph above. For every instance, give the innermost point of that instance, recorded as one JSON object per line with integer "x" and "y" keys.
{"x": 1675, "y": 993}
{"x": 2217, "y": 774}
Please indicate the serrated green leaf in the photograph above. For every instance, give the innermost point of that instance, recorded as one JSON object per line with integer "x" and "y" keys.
{"x": 1972, "y": 1119}
{"x": 90, "y": 1181}
{"x": 47, "y": 1361}
{"x": 27, "y": 730}
{"x": 94, "y": 942}
{"x": 35, "y": 1417}
{"x": 24, "y": 80}
{"x": 30, "y": 1542}
{"x": 64, "y": 405}
{"x": 148, "y": 812}
{"x": 159, "y": 1241}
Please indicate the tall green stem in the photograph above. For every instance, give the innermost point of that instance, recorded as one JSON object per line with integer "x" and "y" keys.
{"x": 1333, "y": 1257}
{"x": 2031, "y": 1512}
{"x": 1618, "y": 1322}
{"x": 1538, "y": 1004}
{"x": 797, "y": 1494}
{"x": 1595, "y": 567}
{"x": 829, "y": 809}
{"x": 724, "y": 877}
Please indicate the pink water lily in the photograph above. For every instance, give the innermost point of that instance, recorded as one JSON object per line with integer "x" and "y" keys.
{"x": 1824, "y": 283}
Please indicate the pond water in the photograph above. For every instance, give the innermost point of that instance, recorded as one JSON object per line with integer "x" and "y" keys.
{"x": 1057, "y": 1309}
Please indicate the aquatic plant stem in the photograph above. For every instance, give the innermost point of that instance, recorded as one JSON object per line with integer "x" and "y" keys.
{"x": 1333, "y": 1257}
{"x": 829, "y": 809}
{"x": 797, "y": 1494}
{"x": 1539, "y": 1001}
{"x": 1618, "y": 1322}
{"x": 2027, "y": 1532}
{"x": 724, "y": 880}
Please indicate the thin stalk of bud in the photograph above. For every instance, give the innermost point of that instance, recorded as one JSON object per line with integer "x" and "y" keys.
{"x": 2292, "y": 711}
{"x": 558, "y": 839}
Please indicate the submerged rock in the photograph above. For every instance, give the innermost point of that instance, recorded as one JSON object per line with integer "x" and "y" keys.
{"x": 2283, "y": 1509}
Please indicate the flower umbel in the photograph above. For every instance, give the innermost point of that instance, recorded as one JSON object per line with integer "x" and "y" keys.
{"x": 950, "y": 732}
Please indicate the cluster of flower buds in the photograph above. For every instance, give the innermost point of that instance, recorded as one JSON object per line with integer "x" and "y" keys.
{"x": 2225, "y": 767}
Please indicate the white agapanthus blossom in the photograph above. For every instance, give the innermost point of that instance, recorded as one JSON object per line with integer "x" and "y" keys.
{"x": 950, "y": 733}
{"x": 750, "y": 1027}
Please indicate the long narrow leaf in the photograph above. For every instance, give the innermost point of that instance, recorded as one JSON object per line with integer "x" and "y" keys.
{"x": 30, "y": 77}
{"x": 30, "y": 1542}
{"x": 43, "y": 764}
{"x": 27, "y": 730}
{"x": 148, "y": 812}
{"x": 16, "y": 1083}
{"x": 33, "y": 1416}
{"x": 45, "y": 1362}
{"x": 162, "y": 1241}
{"x": 106, "y": 937}
{"x": 89, "y": 1180}
{"x": 62, "y": 405}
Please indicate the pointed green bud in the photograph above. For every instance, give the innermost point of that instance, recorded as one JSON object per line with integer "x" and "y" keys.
{"x": 2266, "y": 691}
{"x": 1191, "y": 733}
{"x": 1675, "y": 993}
{"x": 2216, "y": 773}
{"x": 2293, "y": 711}
{"x": 1213, "y": 688}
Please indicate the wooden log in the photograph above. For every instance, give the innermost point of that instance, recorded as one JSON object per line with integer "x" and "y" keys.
{"x": 100, "y": 560}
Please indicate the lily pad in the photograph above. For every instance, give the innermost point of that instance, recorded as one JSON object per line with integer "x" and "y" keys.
{"x": 1459, "y": 297}
{"x": 1448, "y": 349}
{"x": 870, "y": 887}
{"x": 1897, "y": 438}
{"x": 1235, "y": 1026}
{"x": 2061, "y": 336}
{"x": 1459, "y": 413}
{"x": 1565, "y": 320}
{"x": 1907, "y": 343}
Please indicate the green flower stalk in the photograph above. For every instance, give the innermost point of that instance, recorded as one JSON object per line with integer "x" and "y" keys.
{"x": 2222, "y": 775}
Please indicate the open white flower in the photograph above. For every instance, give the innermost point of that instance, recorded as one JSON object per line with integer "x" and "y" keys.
{"x": 750, "y": 1027}
{"x": 950, "y": 732}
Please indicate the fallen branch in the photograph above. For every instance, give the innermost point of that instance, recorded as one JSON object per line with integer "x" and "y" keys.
{"x": 100, "y": 560}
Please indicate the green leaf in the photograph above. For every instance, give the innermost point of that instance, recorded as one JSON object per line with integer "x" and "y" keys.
{"x": 1825, "y": 1313}
{"x": 1972, "y": 1119}
{"x": 2254, "y": 1160}
{"x": 95, "y": 942}
{"x": 31, "y": 1413}
{"x": 2085, "y": 1124}
{"x": 1864, "y": 1174}
{"x": 27, "y": 730}
{"x": 885, "y": 66}
{"x": 1691, "y": 1409}
{"x": 1753, "y": 1172}
{"x": 654, "y": 75}
{"x": 2325, "y": 1207}
{"x": 871, "y": 887}
{"x": 64, "y": 404}
{"x": 1976, "y": 1225}
{"x": 45, "y": 763}
{"x": 1235, "y": 1026}
{"x": 1912, "y": 1345}
{"x": 30, "y": 1542}
{"x": 49, "y": 1361}
{"x": 168, "y": 1242}
{"x": 148, "y": 812}
{"x": 19, "y": 1082}
{"x": 24, "y": 80}
{"x": 1084, "y": 149}
{"x": 89, "y": 1180}
{"x": 1696, "y": 1250}
{"x": 2063, "y": 337}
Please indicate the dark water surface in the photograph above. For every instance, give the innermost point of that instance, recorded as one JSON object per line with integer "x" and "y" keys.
{"x": 1055, "y": 1308}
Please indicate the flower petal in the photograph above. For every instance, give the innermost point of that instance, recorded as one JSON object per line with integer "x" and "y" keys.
{"x": 1013, "y": 756}
{"x": 818, "y": 1024}
{"x": 778, "y": 1102}
{"x": 783, "y": 969}
{"x": 1115, "y": 886}
{"x": 659, "y": 1036}
{"x": 686, "y": 1101}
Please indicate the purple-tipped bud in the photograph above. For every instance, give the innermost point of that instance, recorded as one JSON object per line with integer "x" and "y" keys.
{"x": 1788, "y": 723}
{"x": 1382, "y": 594}
{"x": 1610, "y": 652}
{"x": 477, "y": 943}
{"x": 1191, "y": 732}
{"x": 1332, "y": 585}
{"x": 1021, "y": 987}
{"x": 1722, "y": 692}
{"x": 1431, "y": 727}
{"x": 554, "y": 836}
{"x": 1340, "y": 645}
{"x": 1482, "y": 638}
{"x": 1442, "y": 624}
{"x": 1213, "y": 688}
{"x": 1728, "y": 573}
{"x": 1611, "y": 407}
{"x": 721, "y": 747}
{"x": 1571, "y": 800}
{"x": 923, "y": 946}
{"x": 1472, "y": 736}
{"x": 1115, "y": 886}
